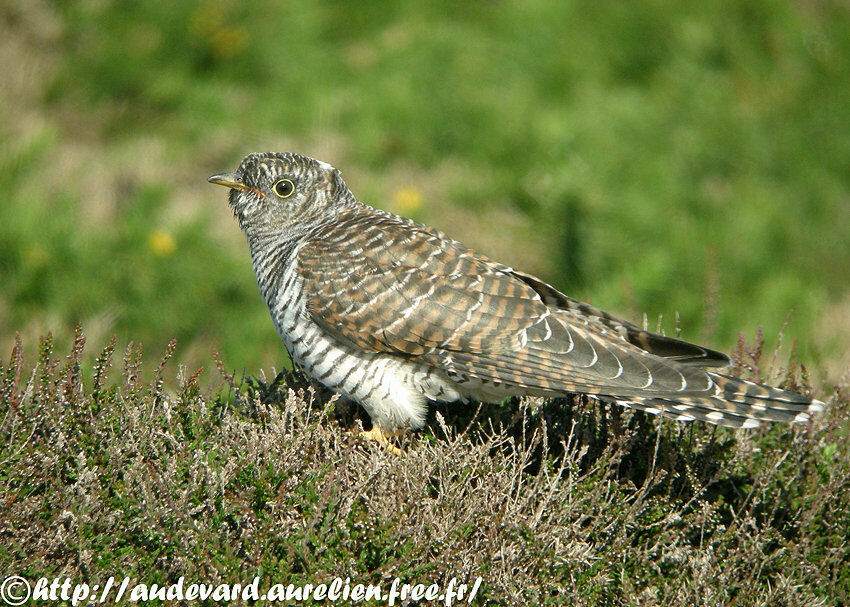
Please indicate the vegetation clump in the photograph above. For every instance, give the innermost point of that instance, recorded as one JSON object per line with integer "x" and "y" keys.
{"x": 107, "y": 472}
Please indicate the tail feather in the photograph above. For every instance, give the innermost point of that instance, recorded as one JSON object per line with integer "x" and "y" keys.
{"x": 688, "y": 413}
{"x": 736, "y": 403}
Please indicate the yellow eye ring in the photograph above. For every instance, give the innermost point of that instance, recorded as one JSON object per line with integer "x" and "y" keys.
{"x": 283, "y": 188}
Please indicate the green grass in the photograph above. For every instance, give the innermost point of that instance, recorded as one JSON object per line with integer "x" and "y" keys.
{"x": 656, "y": 158}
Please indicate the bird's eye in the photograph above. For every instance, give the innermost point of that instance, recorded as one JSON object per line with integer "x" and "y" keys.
{"x": 284, "y": 188}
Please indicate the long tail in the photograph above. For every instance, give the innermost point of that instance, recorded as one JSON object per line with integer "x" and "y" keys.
{"x": 736, "y": 403}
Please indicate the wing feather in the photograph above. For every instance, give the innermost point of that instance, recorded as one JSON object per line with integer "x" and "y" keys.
{"x": 391, "y": 285}
{"x": 425, "y": 295}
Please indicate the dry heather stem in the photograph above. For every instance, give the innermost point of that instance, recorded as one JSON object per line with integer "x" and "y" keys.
{"x": 562, "y": 502}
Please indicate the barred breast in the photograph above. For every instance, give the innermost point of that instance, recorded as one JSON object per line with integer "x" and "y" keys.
{"x": 393, "y": 391}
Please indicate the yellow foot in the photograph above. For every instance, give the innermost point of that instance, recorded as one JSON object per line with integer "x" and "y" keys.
{"x": 382, "y": 438}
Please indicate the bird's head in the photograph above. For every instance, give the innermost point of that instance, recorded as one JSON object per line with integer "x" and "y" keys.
{"x": 278, "y": 192}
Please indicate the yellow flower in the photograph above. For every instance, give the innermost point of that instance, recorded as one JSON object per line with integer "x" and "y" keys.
{"x": 35, "y": 255}
{"x": 224, "y": 38}
{"x": 408, "y": 199}
{"x": 228, "y": 41}
{"x": 161, "y": 243}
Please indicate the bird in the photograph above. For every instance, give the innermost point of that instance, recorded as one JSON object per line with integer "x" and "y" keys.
{"x": 394, "y": 314}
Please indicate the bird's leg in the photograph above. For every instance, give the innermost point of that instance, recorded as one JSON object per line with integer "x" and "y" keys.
{"x": 382, "y": 437}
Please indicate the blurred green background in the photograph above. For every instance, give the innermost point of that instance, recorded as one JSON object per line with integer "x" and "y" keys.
{"x": 651, "y": 157}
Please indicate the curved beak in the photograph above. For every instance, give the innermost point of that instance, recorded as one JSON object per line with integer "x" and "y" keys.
{"x": 233, "y": 181}
{"x": 230, "y": 180}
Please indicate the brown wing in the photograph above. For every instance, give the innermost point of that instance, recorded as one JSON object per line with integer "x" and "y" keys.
{"x": 660, "y": 345}
{"x": 391, "y": 286}
{"x": 388, "y": 285}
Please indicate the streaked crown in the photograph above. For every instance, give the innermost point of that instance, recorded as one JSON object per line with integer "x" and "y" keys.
{"x": 277, "y": 191}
